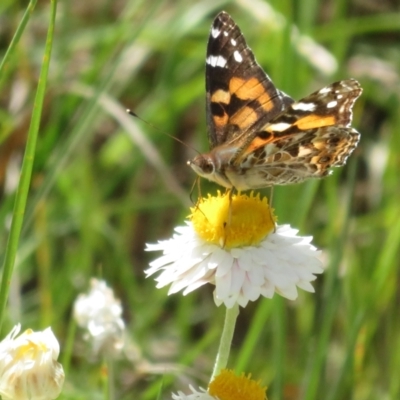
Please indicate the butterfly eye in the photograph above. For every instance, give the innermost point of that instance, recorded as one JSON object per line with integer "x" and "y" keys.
{"x": 207, "y": 165}
{"x": 203, "y": 165}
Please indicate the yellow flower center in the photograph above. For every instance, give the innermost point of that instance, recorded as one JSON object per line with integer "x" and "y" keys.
{"x": 27, "y": 348}
{"x": 228, "y": 386}
{"x": 243, "y": 220}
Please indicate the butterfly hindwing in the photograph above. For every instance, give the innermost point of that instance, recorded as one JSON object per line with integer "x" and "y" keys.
{"x": 331, "y": 105}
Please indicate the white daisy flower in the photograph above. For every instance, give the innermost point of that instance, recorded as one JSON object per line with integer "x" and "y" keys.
{"x": 227, "y": 386}
{"x": 29, "y": 367}
{"x": 235, "y": 245}
{"x": 195, "y": 395}
{"x": 99, "y": 312}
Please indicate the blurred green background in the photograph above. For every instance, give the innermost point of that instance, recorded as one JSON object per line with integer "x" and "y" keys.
{"x": 104, "y": 184}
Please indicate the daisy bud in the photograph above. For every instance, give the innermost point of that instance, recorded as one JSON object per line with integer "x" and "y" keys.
{"x": 29, "y": 367}
{"x": 99, "y": 312}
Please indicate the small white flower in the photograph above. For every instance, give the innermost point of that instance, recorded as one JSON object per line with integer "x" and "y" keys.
{"x": 29, "y": 367}
{"x": 246, "y": 261}
{"x": 100, "y": 313}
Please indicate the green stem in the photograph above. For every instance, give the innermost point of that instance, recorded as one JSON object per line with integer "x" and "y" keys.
{"x": 226, "y": 340}
{"x": 17, "y": 36}
{"x": 26, "y": 170}
{"x": 108, "y": 379}
{"x": 69, "y": 341}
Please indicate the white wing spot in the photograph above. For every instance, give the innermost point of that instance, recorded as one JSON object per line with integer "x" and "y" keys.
{"x": 279, "y": 127}
{"x": 303, "y": 151}
{"x": 331, "y": 104}
{"x": 225, "y": 33}
{"x": 304, "y": 106}
{"x": 237, "y": 56}
{"x": 215, "y": 32}
{"x": 339, "y": 96}
{"x": 325, "y": 90}
{"x": 233, "y": 42}
{"x": 216, "y": 61}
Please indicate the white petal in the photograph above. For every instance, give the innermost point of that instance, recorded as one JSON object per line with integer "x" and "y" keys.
{"x": 225, "y": 266}
{"x": 238, "y": 277}
{"x": 306, "y": 286}
{"x": 251, "y": 291}
{"x": 267, "y": 290}
{"x": 247, "y": 259}
{"x": 223, "y": 286}
{"x": 290, "y": 292}
{"x": 222, "y": 259}
{"x": 242, "y": 301}
{"x": 256, "y": 275}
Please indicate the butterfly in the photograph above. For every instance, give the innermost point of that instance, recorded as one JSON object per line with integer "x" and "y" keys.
{"x": 258, "y": 135}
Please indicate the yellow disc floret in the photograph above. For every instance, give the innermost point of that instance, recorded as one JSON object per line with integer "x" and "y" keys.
{"x": 228, "y": 386}
{"x": 233, "y": 221}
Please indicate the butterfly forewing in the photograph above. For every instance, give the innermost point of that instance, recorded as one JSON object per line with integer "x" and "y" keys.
{"x": 239, "y": 93}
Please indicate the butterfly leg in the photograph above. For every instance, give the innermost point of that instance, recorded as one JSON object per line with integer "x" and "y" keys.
{"x": 196, "y": 182}
{"x": 271, "y": 195}
{"x": 227, "y": 223}
{"x": 232, "y": 192}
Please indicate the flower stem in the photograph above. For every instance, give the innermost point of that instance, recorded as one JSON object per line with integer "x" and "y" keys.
{"x": 27, "y": 164}
{"x": 5, "y": 62}
{"x": 108, "y": 379}
{"x": 226, "y": 340}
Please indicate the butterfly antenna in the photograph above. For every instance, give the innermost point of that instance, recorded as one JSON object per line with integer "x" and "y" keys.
{"x": 159, "y": 130}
